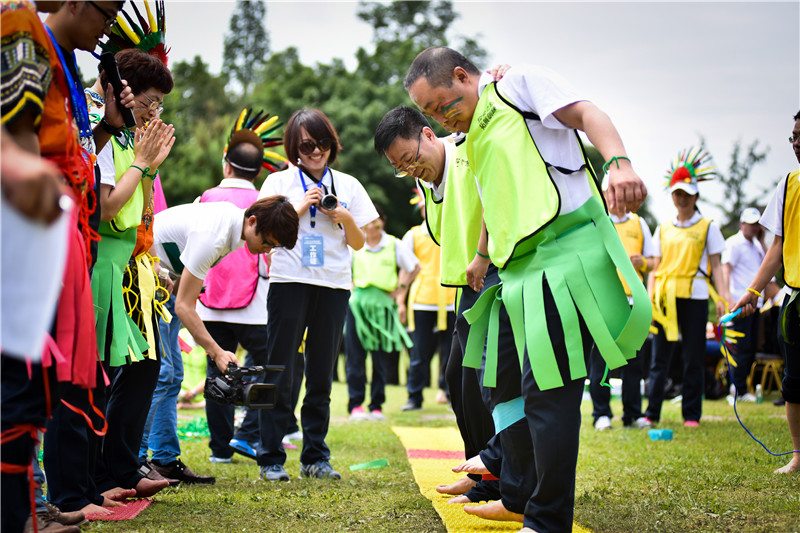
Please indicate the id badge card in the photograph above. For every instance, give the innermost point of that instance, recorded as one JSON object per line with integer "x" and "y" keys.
{"x": 313, "y": 251}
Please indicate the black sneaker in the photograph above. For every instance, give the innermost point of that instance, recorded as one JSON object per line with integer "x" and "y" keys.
{"x": 177, "y": 470}
{"x": 320, "y": 469}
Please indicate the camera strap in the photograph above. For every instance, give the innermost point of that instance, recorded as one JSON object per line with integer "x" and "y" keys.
{"x": 312, "y": 210}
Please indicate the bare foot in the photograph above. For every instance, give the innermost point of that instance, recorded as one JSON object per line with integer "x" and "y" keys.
{"x": 459, "y": 487}
{"x": 148, "y": 487}
{"x": 792, "y": 466}
{"x": 459, "y": 499}
{"x": 112, "y": 503}
{"x": 493, "y": 511}
{"x": 95, "y": 510}
{"x": 472, "y": 466}
{"x": 119, "y": 494}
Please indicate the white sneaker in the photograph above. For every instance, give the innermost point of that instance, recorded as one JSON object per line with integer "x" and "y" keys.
{"x": 642, "y": 423}
{"x": 297, "y": 435}
{"x": 602, "y": 423}
{"x": 377, "y": 414}
{"x": 747, "y": 397}
{"x": 359, "y": 413}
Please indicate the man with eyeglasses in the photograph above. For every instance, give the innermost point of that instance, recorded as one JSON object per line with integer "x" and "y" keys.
{"x": 453, "y": 219}
{"x": 43, "y": 111}
{"x": 557, "y": 252}
{"x": 782, "y": 217}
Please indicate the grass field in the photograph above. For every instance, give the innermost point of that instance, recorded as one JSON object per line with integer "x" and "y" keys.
{"x": 711, "y": 478}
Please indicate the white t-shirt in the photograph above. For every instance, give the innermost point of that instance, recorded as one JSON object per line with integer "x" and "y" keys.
{"x": 449, "y": 144}
{"x": 256, "y": 311}
{"x": 772, "y": 219}
{"x": 715, "y": 244}
{"x": 542, "y": 91}
{"x": 204, "y": 233}
{"x": 648, "y": 248}
{"x": 745, "y": 259}
{"x": 336, "y": 270}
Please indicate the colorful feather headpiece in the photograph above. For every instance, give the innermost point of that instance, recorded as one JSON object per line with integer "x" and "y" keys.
{"x": 149, "y": 35}
{"x": 265, "y": 126}
{"x": 689, "y": 168}
{"x": 418, "y": 200}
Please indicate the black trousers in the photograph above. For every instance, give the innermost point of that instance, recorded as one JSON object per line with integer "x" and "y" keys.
{"x": 356, "y": 369}
{"x": 692, "y": 318}
{"x": 23, "y": 402}
{"x": 554, "y": 420}
{"x": 472, "y": 417}
{"x": 631, "y": 375}
{"x": 745, "y": 350}
{"x": 71, "y": 448}
{"x": 129, "y": 398}
{"x": 425, "y": 344}
{"x": 292, "y": 308}
{"x": 253, "y": 338}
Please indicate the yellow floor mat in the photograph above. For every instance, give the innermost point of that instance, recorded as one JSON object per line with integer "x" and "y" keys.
{"x": 432, "y": 453}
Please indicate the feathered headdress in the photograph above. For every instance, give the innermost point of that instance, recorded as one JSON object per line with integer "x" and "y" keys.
{"x": 149, "y": 35}
{"x": 689, "y": 168}
{"x": 265, "y": 126}
{"x": 418, "y": 200}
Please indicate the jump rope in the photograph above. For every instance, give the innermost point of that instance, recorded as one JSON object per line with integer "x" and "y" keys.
{"x": 721, "y": 334}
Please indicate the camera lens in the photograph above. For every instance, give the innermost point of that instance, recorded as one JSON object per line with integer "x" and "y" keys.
{"x": 328, "y": 202}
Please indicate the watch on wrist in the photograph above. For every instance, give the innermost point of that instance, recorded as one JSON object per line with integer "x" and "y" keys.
{"x": 108, "y": 128}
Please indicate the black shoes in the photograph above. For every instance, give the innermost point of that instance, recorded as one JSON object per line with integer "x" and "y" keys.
{"x": 177, "y": 470}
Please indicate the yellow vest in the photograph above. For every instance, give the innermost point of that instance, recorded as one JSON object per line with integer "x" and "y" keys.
{"x": 378, "y": 269}
{"x": 630, "y": 233}
{"x": 791, "y": 231}
{"x": 681, "y": 252}
{"x": 426, "y": 288}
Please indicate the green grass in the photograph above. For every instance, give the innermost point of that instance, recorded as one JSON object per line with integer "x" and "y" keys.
{"x": 711, "y": 478}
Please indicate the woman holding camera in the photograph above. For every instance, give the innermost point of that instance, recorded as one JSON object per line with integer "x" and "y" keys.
{"x": 310, "y": 288}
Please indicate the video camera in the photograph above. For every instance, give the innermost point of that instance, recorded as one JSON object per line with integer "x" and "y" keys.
{"x": 231, "y": 389}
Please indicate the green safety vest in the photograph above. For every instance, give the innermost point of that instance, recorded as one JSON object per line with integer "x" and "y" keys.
{"x": 130, "y": 215}
{"x": 455, "y": 221}
{"x": 519, "y": 196}
{"x": 376, "y": 269}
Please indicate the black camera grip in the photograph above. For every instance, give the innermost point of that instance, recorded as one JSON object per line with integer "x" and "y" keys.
{"x": 109, "y": 64}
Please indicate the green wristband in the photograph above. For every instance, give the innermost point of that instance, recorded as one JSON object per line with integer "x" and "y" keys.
{"x": 144, "y": 170}
{"x": 614, "y": 159}
{"x": 480, "y": 254}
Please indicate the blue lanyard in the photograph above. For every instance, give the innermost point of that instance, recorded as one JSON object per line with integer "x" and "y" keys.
{"x": 312, "y": 211}
{"x": 77, "y": 99}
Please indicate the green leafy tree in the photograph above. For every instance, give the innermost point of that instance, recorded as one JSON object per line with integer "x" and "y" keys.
{"x": 202, "y": 114}
{"x": 246, "y": 43}
{"x": 733, "y": 183}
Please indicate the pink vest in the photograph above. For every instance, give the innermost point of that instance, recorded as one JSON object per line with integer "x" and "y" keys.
{"x": 232, "y": 283}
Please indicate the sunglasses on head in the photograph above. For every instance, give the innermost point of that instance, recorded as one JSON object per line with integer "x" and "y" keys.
{"x": 308, "y": 147}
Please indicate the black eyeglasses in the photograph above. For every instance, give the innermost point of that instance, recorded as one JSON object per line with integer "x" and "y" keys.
{"x": 109, "y": 19}
{"x": 308, "y": 147}
{"x": 794, "y": 138}
{"x": 402, "y": 172}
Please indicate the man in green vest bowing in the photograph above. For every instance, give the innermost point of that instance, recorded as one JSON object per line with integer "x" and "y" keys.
{"x": 557, "y": 253}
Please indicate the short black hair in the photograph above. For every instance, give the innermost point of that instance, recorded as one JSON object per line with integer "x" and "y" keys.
{"x": 797, "y": 116}
{"x": 244, "y": 156}
{"x": 402, "y": 121}
{"x": 436, "y": 65}
{"x": 142, "y": 71}
{"x": 277, "y": 217}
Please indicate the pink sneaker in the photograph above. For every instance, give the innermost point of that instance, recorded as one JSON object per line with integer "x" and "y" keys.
{"x": 358, "y": 413}
{"x": 691, "y": 424}
{"x": 376, "y": 414}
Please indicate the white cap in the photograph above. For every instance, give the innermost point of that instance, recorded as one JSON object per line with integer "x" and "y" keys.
{"x": 689, "y": 187}
{"x": 751, "y": 215}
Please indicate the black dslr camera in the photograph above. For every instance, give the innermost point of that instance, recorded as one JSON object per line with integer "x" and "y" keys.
{"x": 231, "y": 389}
{"x": 329, "y": 202}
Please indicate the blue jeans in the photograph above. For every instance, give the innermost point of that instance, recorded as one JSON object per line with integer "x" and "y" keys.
{"x": 161, "y": 429}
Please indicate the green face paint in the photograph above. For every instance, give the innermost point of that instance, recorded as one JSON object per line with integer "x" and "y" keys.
{"x": 447, "y": 109}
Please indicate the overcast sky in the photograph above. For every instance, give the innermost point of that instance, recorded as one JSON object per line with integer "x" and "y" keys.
{"x": 666, "y": 73}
